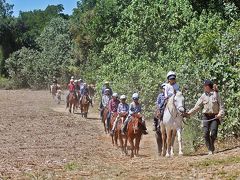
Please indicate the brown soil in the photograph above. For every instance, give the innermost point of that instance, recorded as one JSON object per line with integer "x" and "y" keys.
{"x": 40, "y": 140}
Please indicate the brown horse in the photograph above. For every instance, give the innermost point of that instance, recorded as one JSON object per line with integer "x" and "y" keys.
{"x": 118, "y": 134}
{"x": 72, "y": 100}
{"x": 113, "y": 117}
{"x": 104, "y": 119}
{"x": 84, "y": 104}
{"x": 134, "y": 131}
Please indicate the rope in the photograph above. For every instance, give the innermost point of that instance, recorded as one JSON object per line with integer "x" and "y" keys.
{"x": 203, "y": 120}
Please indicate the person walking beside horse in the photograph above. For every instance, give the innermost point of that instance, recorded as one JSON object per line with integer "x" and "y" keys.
{"x": 213, "y": 111}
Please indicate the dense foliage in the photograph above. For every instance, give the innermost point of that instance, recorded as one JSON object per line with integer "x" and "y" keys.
{"x": 133, "y": 44}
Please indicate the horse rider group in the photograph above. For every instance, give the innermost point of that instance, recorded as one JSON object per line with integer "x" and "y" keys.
{"x": 210, "y": 102}
{"x": 78, "y": 88}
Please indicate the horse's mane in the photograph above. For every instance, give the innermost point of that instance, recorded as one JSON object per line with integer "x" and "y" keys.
{"x": 170, "y": 102}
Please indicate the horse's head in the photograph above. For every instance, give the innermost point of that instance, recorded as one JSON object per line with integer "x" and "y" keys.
{"x": 136, "y": 121}
{"x": 178, "y": 101}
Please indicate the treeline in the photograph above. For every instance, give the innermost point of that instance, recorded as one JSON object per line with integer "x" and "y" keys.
{"x": 133, "y": 44}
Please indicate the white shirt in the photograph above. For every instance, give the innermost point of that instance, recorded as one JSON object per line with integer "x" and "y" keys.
{"x": 169, "y": 89}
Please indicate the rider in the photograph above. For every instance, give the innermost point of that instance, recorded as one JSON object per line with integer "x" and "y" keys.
{"x": 85, "y": 91}
{"x": 71, "y": 89}
{"x": 213, "y": 110}
{"x": 135, "y": 107}
{"x": 76, "y": 88}
{"x": 54, "y": 80}
{"x": 105, "y": 100}
{"x": 112, "y": 107}
{"x": 171, "y": 87}
{"x": 160, "y": 106}
{"x": 105, "y": 86}
{"x": 122, "y": 110}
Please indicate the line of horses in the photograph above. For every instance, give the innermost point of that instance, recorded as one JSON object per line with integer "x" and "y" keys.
{"x": 133, "y": 135}
{"x": 170, "y": 126}
{"x": 75, "y": 101}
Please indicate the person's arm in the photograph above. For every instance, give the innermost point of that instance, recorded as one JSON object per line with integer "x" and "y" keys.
{"x": 162, "y": 99}
{"x": 104, "y": 101}
{"x": 131, "y": 109}
{"x": 119, "y": 108}
{"x": 197, "y": 106}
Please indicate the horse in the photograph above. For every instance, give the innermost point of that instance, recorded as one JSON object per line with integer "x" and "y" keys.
{"x": 84, "y": 104}
{"x": 58, "y": 96}
{"x": 53, "y": 90}
{"x": 134, "y": 131}
{"x": 104, "y": 119}
{"x": 112, "y": 119}
{"x": 92, "y": 91}
{"x": 72, "y": 100}
{"x": 172, "y": 123}
{"x": 118, "y": 133}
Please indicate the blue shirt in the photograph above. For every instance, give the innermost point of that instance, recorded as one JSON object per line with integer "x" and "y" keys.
{"x": 134, "y": 108}
{"x": 123, "y": 108}
{"x": 160, "y": 100}
{"x": 84, "y": 90}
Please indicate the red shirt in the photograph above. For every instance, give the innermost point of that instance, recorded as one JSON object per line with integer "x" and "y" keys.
{"x": 71, "y": 87}
{"x": 113, "y": 105}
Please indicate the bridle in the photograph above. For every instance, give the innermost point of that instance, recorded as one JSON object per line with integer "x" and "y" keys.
{"x": 177, "y": 108}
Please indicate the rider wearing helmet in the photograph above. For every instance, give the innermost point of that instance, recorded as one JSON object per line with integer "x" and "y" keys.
{"x": 71, "y": 89}
{"x": 105, "y": 86}
{"x": 54, "y": 80}
{"x": 160, "y": 106}
{"x": 122, "y": 110}
{"x": 84, "y": 91}
{"x": 171, "y": 87}
{"x": 105, "y": 100}
{"x": 112, "y": 107}
{"x": 135, "y": 107}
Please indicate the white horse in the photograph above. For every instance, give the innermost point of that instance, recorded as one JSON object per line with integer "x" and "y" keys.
{"x": 172, "y": 123}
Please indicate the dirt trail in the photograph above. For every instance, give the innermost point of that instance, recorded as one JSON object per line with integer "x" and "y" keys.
{"x": 39, "y": 139}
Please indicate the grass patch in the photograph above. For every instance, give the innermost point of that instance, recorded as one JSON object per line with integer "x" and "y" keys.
{"x": 71, "y": 166}
{"x": 6, "y": 83}
{"x": 212, "y": 162}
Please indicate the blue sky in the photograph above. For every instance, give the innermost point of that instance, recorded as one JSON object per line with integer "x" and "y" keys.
{"x": 28, "y": 5}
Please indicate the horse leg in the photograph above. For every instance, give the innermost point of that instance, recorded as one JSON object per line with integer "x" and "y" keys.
{"x": 137, "y": 144}
{"x": 132, "y": 146}
{"x": 172, "y": 141}
{"x": 116, "y": 139}
{"x": 104, "y": 126}
{"x": 169, "y": 140}
{"x": 125, "y": 145}
{"x": 159, "y": 142}
{"x": 164, "y": 146}
{"x": 179, "y": 134}
{"x": 70, "y": 108}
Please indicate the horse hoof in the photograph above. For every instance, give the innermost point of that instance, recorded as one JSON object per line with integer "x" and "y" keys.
{"x": 167, "y": 155}
{"x": 180, "y": 153}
